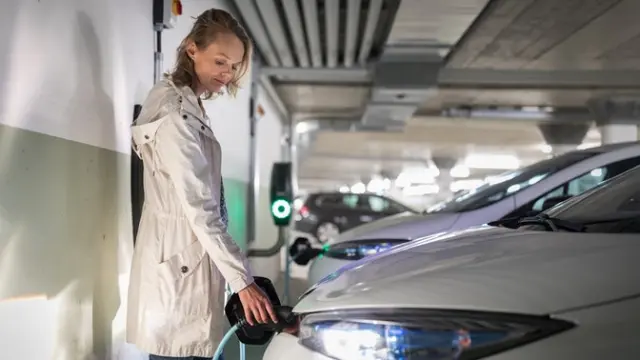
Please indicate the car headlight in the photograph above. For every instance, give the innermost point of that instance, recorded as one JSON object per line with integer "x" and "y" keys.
{"x": 406, "y": 334}
{"x": 356, "y": 250}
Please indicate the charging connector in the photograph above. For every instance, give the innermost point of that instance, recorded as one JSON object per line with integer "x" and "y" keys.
{"x": 287, "y": 320}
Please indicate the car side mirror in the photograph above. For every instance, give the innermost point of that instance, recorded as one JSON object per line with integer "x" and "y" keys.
{"x": 302, "y": 252}
{"x": 553, "y": 201}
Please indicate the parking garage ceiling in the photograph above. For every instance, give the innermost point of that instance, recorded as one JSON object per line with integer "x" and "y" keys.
{"x": 382, "y": 85}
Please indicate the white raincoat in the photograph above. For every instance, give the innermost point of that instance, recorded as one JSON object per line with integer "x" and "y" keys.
{"x": 183, "y": 253}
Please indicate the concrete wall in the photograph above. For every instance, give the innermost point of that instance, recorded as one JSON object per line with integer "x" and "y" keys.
{"x": 69, "y": 77}
{"x": 70, "y": 73}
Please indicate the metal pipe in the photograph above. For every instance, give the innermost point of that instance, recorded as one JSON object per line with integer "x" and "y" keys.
{"x": 157, "y": 55}
{"x": 274, "y": 250}
{"x": 294, "y": 156}
{"x": 254, "y": 174}
{"x": 289, "y": 132}
{"x": 287, "y": 275}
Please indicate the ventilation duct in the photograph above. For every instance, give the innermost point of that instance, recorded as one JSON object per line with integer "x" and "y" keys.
{"x": 403, "y": 79}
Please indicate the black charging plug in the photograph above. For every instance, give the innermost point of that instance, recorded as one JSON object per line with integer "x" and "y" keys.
{"x": 260, "y": 334}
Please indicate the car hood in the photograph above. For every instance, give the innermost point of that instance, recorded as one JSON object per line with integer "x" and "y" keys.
{"x": 487, "y": 268}
{"x": 404, "y": 226}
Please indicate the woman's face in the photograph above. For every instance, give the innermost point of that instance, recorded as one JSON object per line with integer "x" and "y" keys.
{"x": 216, "y": 65}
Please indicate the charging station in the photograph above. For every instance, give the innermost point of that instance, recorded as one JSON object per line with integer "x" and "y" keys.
{"x": 281, "y": 194}
{"x": 281, "y": 208}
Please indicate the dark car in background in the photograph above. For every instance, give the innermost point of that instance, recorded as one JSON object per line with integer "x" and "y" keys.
{"x": 326, "y": 214}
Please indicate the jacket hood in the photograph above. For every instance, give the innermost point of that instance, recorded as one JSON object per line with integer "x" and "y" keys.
{"x": 164, "y": 98}
{"x": 487, "y": 268}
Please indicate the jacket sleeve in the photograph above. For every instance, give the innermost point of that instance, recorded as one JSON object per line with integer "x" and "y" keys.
{"x": 178, "y": 150}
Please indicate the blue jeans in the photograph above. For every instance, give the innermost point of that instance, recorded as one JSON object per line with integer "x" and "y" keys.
{"x": 158, "y": 357}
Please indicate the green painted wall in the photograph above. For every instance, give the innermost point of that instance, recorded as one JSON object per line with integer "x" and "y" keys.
{"x": 236, "y": 197}
{"x": 265, "y": 228}
{"x": 235, "y": 192}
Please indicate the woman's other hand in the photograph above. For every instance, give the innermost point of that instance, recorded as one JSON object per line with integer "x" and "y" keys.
{"x": 257, "y": 305}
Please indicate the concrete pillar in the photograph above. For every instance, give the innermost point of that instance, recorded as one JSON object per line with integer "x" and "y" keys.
{"x": 615, "y": 133}
{"x": 563, "y": 137}
{"x": 444, "y": 179}
{"x": 617, "y": 119}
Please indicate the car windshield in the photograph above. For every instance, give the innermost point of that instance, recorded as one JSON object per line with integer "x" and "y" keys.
{"x": 611, "y": 207}
{"x": 510, "y": 183}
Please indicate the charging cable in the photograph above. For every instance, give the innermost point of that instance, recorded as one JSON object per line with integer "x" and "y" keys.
{"x": 313, "y": 252}
{"x": 286, "y": 318}
{"x": 225, "y": 339}
{"x": 284, "y": 312}
{"x": 227, "y": 293}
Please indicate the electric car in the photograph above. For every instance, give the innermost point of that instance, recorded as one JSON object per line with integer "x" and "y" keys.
{"x": 324, "y": 215}
{"x": 513, "y": 194}
{"x": 563, "y": 284}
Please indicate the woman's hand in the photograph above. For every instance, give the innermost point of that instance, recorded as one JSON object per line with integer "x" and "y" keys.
{"x": 257, "y": 305}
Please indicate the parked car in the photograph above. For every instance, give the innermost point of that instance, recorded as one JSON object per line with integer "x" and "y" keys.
{"x": 563, "y": 284}
{"x": 514, "y": 194}
{"x": 324, "y": 215}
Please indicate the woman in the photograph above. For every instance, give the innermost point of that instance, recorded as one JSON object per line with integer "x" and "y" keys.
{"x": 184, "y": 254}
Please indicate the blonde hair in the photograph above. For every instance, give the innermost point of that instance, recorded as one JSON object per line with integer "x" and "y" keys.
{"x": 209, "y": 24}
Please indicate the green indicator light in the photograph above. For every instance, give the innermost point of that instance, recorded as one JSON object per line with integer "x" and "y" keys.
{"x": 281, "y": 209}
{"x": 325, "y": 248}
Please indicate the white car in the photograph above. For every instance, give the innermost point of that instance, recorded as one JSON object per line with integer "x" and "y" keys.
{"x": 514, "y": 194}
{"x": 563, "y": 285}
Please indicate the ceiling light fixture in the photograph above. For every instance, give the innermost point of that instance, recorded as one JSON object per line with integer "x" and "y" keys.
{"x": 358, "y": 188}
{"x": 460, "y": 171}
{"x": 588, "y": 145}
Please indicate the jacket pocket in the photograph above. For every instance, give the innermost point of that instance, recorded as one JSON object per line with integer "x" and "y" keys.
{"x": 182, "y": 264}
{"x": 184, "y": 289}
